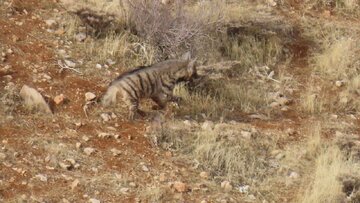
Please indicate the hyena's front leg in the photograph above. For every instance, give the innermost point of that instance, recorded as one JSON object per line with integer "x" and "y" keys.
{"x": 160, "y": 100}
{"x": 171, "y": 97}
{"x": 133, "y": 105}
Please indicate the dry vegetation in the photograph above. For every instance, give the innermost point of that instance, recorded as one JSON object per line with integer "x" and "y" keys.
{"x": 276, "y": 113}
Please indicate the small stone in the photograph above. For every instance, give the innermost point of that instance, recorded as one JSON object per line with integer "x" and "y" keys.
{"x": 74, "y": 184}
{"x": 65, "y": 165}
{"x": 85, "y": 138}
{"x": 207, "y": 125}
{"x": 89, "y": 96}
{"x": 2, "y": 156}
{"x": 50, "y": 23}
{"x": 104, "y": 135}
{"x": 226, "y": 185}
{"x": 89, "y": 151}
{"x": 246, "y": 134}
{"x": 65, "y": 200}
{"x": 251, "y": 197}
{"x": 60, "y": 31}
{"x": 41, "y": 177}
{"x": 115, "y": 152}
{"x": 145, "y": 168}
{"x": 70, "y": 63}
{"x": 15, "y": 38}
{"x": 244, "y": 189}
{"x": 78, "y": 145}
{"x": 334, "y": 116}
{"x": 326, "y": 13}
{"x": 59, "y": 99}
{"x": 10, "y": 51}
{"x": 274, "y": 105}
{"x": 132, "y": 184}
{"x": 105, "y": 117}
{"x": 124, "y": 190}
{"x": 98, "y": 66}
{"x": 285, "y": 108}
{"x": 283, "y": 101}
{"x": 294, "y": 175}
{"x": 271, "y": 2}
{"x": 110, "y": 62}
{"x": 162, "y": 177}
{"x": 204, "y": 175}
{"x": 280, "y": 156}
{"x": 180, "y": 187}
{"x": 80, "y": 37}
{"x": 93, "y": 200}
{"x": 339, "y": 83}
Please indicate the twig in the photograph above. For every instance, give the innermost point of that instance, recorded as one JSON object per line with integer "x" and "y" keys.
{"x": 63, "y": 66}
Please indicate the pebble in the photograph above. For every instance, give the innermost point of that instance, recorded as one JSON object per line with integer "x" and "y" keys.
{"x": 80, "y": 37}
{"x": 41, "y": 177}
{"x": 98, "y": 66}
{"x": 207, "y": 125}
{"x": 78, "y": 145}
{"x": 50, "y": 23}
{"x": 89, "y": 96}
{"x": 339, "y": 83}
{"x": 244, "y": 189}
{"x": 59, "y": 99}
{"x": 246, "y": 134}
{"x": 74, "y": 184}
{"x": 294, "y": 175}
{"x": 105, "y": 117}
{"x": 85, "y": 138}
{"x": 89, "y": 150}
{"x": 93, "y": 200}
{"x": 145, "y": 168}
{"x": 162, "y": 177}
{"x": 104, "y": 135}
{"x": 274, "y": 105}
{"x": 226, "y": 185}
{"x": 204, "y": 175}
{"x": 180, "y": 186}
{"x": 115, "y": 152}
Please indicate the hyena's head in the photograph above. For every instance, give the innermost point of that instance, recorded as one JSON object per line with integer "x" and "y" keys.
{"x": 187, "y": 72}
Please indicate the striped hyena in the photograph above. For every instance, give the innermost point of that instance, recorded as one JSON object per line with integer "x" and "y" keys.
{"x": 156, "y": 82}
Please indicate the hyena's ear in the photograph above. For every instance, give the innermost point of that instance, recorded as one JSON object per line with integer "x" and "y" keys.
{"x": 186, "y": 56}
{"x": 192, "y": 66}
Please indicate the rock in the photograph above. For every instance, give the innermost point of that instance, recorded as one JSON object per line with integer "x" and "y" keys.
{"x": 74, "y": 184}
{"x": 204, "y": 175}
{"x": 65, "y": 165}
{"x": 104, "y": 135}
{"x": 246, "y": 134}
{"x": 93, "y": 200}
{"x": 274, "y": 105}
{"x": 251, "y": 197}
{"x": 207, "y": 125}
{"x": 105, "y": 117}
{"x": 15, "y": 38}
{"x": 279, "y": 156}
{"x": 78, "y": 145}
{"x": 283, "y": 101}
{"x": 244, "y": 189}
{"x": 51, "y": 23}
{"x": 226, "y": 185}
{"x": 132, "y": 184}
{"x": 326, "y": 13}
{"x": 33, "y": 99}
{"x": 285, "y": 108}
{"x": 10, "y": 51}
{"x": 339, "y": 83}
{"x": 88, "y": 151}
{"x": 115, "y": 152}
{"x": 294, "y": 175}
{"x": 162, "y": 177}
{"x": 2, "y": 156}
{"x": 124, "y": 190}
{"x": 59, "y": 99}
{"x": 180, "y": 187}
{"x": 89, "y": 96}
{"x": 80, "y": 37}
{"x": 85, "y": 138}
{"x": 110, "y": 62}
{"x": 271, "y": 2}
{"x": 98, "y": 66}
{"x": 41, "y": 177}
{"x": 65, "y": 200}
{"x": 145, "y": 168}
{"x": 70, "y": 63}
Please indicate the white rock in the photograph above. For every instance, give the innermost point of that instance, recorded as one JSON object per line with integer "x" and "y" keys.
{"x": 339, "y": 83}
{"x": 78, "y": 145}
{"x": 89, "y": 96}
{"x": 246, "y": 134}
{"x": 104, "y": 135}
{"x": 2, "y": 156}
{"x": 274, "y": 105}
{"x": 85, "y": 138}
{"x": 105, "y": 117}
{"x": 207, "y": 125}
{"x": 10, "y": 51}
{"x": 98, "y": 66}
{"x": 89, "y": 150}
{"x": 244, "y": 189}
{"x": 41, "y": 177}
{"x": 110, "y": 62}
{"x": 180, "y": 186}
{"x": 115, "y": 152}
{"x": 65, "y": 165}
{"x": 50, "y": 23}
{"x": 294, "y": 175}
{"x": 124, "y": 190}
{"x": 74, "y": 184}
{"x": 204, "y": 175}
{"x": 93, "y": 200}
{"x": 226, "y": 185}
{"x": 145, "y": 168}
{"x": 33, "y": 99}
{"x": 70, "y": 63}
{"x": 80, "y": 37}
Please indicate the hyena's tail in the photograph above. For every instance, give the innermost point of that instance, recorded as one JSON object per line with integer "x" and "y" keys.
{"x": 110, "y": 95}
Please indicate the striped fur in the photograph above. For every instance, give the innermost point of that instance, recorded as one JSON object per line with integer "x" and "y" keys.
{"x": 156, "y": 82}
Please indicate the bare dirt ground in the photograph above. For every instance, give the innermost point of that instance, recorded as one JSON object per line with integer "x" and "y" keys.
{"x": 124, "y": 166}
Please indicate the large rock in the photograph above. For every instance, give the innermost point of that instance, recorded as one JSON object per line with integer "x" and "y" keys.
{"x": 34, "y": 100}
